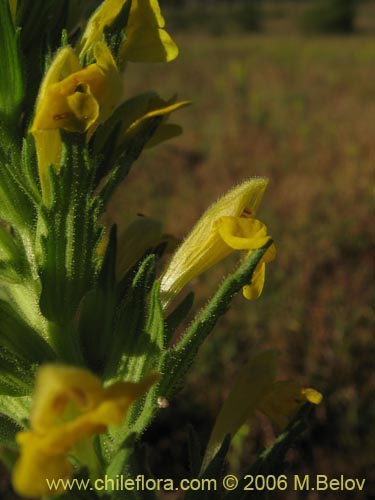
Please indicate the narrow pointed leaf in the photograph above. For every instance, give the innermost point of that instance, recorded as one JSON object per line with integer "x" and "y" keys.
{"x": 252, "y": 383}
{"x": 69, "y": 262}
{"x": 272, "y": 460}
{"x": 176, "y": 362}
{"x": 11, "y": 67}
{"x": 98, "y": 311}
{"x": 180, "y": 313}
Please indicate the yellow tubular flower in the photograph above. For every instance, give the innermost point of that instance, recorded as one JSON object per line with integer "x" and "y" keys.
{"x": 75, "y": 99}
{"x": 226, "y": 226}
{"x": 284, "y": 400}
{"x": 146, "y": 40}
{"x": 70, "y": 404}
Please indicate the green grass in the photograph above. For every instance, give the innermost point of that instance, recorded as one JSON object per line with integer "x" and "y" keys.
{"x": 302, "y": 112}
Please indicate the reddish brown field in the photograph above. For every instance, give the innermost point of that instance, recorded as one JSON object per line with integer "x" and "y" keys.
{"x": 300, "y": 111}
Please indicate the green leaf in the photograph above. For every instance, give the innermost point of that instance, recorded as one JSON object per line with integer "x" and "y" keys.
{"x": 139, "y": 118}
{"x": 133, "y": 346}
{"x": 16, "y": 205}
{"x": 214, "y": 470}
{"x": 176, "y": 362}
{"x": 19, "y": 338}
{"x": 155, "y": 320}
{"x": 114, "y": 34}
{"x": 165, "y": 132}
{"x": 11, "y": 79}
{"x": 16, "y": 375}
{"x": 130, "y": 462}
{"x": 253, "y": 381}
{"x": 96, "y": 323}
{"x": 29, "y": 169}
{"x": 13, "y": 261}
{"x": 272, "y": 460}
{"x": 195, "y": 455}
{"x": 8, "y": 430}
{"x": 108, "y": 134}
{"x": 143, "y": 410}
{"x": 127, "y": 155}
{"x": 180, "y": 313}
{"x": 139, "y": 328}
{"x": 17, "y": 409}
{"x": 69, "y": 234}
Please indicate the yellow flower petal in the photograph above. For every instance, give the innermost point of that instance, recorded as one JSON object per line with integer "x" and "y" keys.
{"x": 58, "y": 385}
{"x": 255, "y": 288}
{"x": 70, "y": 404}
{"x": 35, "y": 467}
{"x": 312, "y": 396}
{"x": 284, "y": 399}
{"x": 75, "y": 99}
{"x": 83, "y": 97}
{"x": 146, "y": 40}
{"x": 241, "y": 233}
{"x": 104, "y": 15}
{"x": 205, "y": 246}
{"x": 107, "y": 89}
{"x": 64, "y": 64}
{"x": 48, "y": 147}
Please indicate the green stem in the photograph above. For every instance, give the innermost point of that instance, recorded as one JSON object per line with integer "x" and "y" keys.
{"x": 175, "y": 362}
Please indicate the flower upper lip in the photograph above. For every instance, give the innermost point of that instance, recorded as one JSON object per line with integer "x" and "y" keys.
{"x": 226, "y": 226}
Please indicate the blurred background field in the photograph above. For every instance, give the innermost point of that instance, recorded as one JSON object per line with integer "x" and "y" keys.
{"x": 284, "y": 99}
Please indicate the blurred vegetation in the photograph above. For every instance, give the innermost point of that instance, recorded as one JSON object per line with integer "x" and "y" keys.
{"x": 228, "y": 16}
{"x": 330, "y": 16}
{"x": 216, "y": 17}
{"x": 300, "y": 110}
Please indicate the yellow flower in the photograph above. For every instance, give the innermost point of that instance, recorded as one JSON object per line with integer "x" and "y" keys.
{"x": 70, "y": 404}
{"x": 256, "y": 389}
{"x": 226, "y": 226}
{"x": 75, "y": 99}
{"x": 146, "y": 40}
{"x": 284, "y": 399}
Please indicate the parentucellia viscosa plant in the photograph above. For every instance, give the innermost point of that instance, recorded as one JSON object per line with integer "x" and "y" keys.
{"x": 87, "y": 319}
